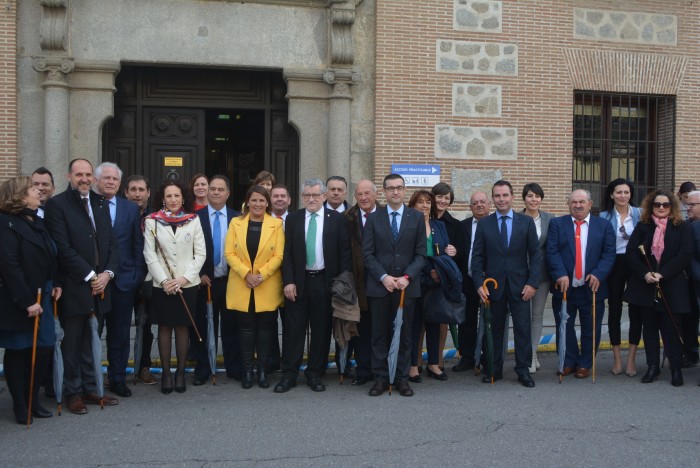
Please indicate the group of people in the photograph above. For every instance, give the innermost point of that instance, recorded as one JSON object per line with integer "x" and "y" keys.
{"x": 332, "y": 268}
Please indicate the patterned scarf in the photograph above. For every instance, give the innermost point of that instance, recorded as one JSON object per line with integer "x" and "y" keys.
{"x": 657, "y": 245}
{"x": 167, "y": 218}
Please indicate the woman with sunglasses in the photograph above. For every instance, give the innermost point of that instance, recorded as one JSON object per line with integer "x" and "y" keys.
{"x": 657, "y": 282}
{"x": 624, "y": 218}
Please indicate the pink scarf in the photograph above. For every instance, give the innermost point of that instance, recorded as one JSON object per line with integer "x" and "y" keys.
{"x": 657, "y": 245}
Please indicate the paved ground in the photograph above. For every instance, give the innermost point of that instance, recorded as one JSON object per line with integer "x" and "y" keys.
{"x": 461, "y": 422}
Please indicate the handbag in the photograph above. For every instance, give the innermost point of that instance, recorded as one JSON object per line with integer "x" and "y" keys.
{"x": 437, "y": 308}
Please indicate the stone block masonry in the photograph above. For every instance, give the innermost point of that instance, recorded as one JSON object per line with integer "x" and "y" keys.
{"x": 9, "y": 164}
{"x": 477, "y": 58}
{"x": 476, "y": 100}
{"x": 481, "y": 143}
{"x": 478, "y": 16}
{"x": 625, "y": 26}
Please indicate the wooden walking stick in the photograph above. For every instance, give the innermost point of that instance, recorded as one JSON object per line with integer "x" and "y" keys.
{"x": 593, "y": 352}
{"x": 31, "y": 377}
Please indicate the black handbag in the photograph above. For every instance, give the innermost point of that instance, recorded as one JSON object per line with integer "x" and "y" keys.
{"x": 437, "y": 308}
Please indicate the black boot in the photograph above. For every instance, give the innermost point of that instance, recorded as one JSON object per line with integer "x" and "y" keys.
{"x": 247, "y": 338}
{"x": 16, "y": 375}
{"x": 676, "y": 377}
{"x": 264, "y": 341}
{"x": 651, "y": 375}
{"x": 43, "y": 357}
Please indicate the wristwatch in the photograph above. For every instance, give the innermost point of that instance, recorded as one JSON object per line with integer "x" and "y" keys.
{"x": 110, "y": 273}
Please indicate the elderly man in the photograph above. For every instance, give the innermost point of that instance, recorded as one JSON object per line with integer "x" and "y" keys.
{"x": 480, "y": 206}
{"x": 581, "y": 253}
{"x": 506, "y": 248}
{"x": 88, "y": 255}
{"x": 316, "y": 250}
{"x": 126, "y": 227}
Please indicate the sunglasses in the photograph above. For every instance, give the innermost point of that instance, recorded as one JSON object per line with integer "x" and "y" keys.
{"x": 663, "y": 205}
{"x": 625, "y": 236}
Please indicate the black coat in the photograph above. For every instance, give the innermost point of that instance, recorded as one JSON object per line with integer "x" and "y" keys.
{"x": 337, "y": 254}
{"x": 203, "y": 214}
{"x": 71, "y": 229}
{"x": 458, "y": 238}
{"x": 28, "y": 262}
{"x": 675, "y": 259}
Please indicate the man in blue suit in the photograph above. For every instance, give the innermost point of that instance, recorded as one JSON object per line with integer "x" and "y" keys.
{"x": 581, "y": 254}
{"x": 214, "y": 274}
{"x": 126, "y": 226}
{"x": 507, "y": 249}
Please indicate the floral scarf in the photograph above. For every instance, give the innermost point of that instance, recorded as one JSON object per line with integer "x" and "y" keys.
{"x": 657, "y": 245}
{"x": 167, "y": 218}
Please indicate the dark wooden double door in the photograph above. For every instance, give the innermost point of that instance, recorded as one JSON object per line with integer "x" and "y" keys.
{"x": 174, "y": 123}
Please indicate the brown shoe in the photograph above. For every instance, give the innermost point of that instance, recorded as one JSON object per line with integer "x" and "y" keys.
{"x": 582, "y": 373}
{"x": 404, "y": 389}
{"x": 76, "y": 405}
{"x": 145, "y": 377}
{"x": 567, "y": 371}
{"x": 93, "y": 399}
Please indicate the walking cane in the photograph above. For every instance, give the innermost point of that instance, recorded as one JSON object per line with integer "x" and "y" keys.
{"x": 31, "y": 378}
{"x": 594, "y": 330}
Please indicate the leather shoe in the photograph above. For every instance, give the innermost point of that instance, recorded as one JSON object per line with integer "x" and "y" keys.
{"x": 567, "y": 371}
{"x": 404, "y": 389}
{"x": 463, "y": 366}
{"x": 379, "y": 387}
{"x": 441, "y": 376}
{"x": 316, "y": 385}
{"x": 39, "y": 411}
{"x": 651, "y": 375}
{"x": 285, "y": 385}
{"x": 200, "y": 380}
{"x": 93, "y": 399}
{"x": 76, "y": 405}
{"x": 676, "y": 378}
{"x": 526, "y": 380}
{"x": 582, "y": 373}
{"x": 415, "y": 378}
{"x": 496, "y": 376}
{"x": 237, "y": 377}
{"x": 120, "y": 389}
{"x": 358, "y": 380}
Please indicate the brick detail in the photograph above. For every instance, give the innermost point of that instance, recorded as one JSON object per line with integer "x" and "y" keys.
{"x": 9, "y": 162}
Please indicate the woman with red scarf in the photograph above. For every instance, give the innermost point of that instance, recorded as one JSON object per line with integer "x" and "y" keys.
{"x": 657, "y": 282}
{"x": 174, "y": 250}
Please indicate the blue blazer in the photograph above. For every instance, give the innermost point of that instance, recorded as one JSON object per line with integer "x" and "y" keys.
{"x": 127, "y": 230}
{"x": 203, "y": 214}
{"x": 515, "y": 267}
{"x": 600, "y": 251}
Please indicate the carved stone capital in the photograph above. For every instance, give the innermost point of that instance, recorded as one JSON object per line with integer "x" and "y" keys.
{"x": 53, "y": 29}
{"x": 56, "y": 69}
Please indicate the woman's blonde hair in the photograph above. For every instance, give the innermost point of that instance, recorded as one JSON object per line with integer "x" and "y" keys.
{"x": 12, "y": 193}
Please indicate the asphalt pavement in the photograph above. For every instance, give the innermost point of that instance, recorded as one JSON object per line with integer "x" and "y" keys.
{"x": 616, "y": 421}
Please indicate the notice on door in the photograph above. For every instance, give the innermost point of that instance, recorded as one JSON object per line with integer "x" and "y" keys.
{"x": 172, "y": 161}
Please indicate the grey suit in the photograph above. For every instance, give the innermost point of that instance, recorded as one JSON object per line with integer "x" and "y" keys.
{"x": 383, "y": 256}
{"x": 512, "y": 268}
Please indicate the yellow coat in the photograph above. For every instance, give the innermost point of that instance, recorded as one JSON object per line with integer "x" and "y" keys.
{"x": 268, "y": 260}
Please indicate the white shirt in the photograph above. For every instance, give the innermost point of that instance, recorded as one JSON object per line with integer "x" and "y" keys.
{"x": 220, "y": 265}
{"x": 471, "y": 246}
{"x": 364, "y": 214}
{"x": 320, "y": 262}
{"x": 584, "y": 242}
{"x": 620, "y": 243}
{"x": 399, "y": 217}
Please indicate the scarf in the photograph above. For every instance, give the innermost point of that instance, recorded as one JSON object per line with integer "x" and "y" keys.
{"x": 657, "y": 245}
{"x": 168, "y": 218}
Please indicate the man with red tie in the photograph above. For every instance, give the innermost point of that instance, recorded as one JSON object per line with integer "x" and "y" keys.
{"x": 581, "y": 254}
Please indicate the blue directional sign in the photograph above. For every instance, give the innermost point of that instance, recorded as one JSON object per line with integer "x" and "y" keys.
{"x": 418, "y": 175}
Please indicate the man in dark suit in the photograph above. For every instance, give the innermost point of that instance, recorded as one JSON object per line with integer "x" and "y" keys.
{"x": 507, "y": 249}
{"x": 316, "y": 250}
{"x": 88, "y": 255}
{"x": 42, "y": 179}
{"x": 366, "y": 197}
{"x": 581, "y": 254}
{"x": 689, "y": 322}
{"x": 394, "y": 249}
{"x": 470, "y": 357}
{"x": 281, "y": 199}
{"x": 215, "y": 219}
{"x": 126, "y": 227}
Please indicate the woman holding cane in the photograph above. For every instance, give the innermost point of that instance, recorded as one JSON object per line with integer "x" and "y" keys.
{"x": 658, "y": 253}
{"x": 174, "y": 250}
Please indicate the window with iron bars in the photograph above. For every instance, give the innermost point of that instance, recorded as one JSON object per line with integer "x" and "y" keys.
{"x": 623, "y": 135}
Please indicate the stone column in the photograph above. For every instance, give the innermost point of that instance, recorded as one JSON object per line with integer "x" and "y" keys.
{"x": 56, "y": 110}
{"x": 338, "y": 127}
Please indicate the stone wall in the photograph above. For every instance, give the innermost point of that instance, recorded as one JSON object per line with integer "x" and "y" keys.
{"x": 478, "y": 15}
{"x": 477, "y": 58}
{"x": 9, "y": 163}
{"x": 633, "y": 27}
{"x": 476, "y": 100}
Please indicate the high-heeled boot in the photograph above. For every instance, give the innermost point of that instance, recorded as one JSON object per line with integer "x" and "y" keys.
{"x": 676, "y": 377}
{"x": 264, "y": 341}
{"x": 247, "y": 338}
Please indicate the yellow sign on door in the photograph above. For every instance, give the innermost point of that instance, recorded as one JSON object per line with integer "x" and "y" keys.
{"x": 172, "y": 161}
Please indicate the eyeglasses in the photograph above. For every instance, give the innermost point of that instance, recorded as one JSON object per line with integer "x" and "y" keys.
{"x": 625, "y": 236}
{"x": 663, "y": 205}
{"x": 398, "y": 188}
{"x": 309, "y": 196}
{"x": 691, "y": 205}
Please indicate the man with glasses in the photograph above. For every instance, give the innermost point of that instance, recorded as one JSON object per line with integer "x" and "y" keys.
{"x": 316, "y": 250}
{"x": 394, "y": 248}
{"x": 581, "y": 254}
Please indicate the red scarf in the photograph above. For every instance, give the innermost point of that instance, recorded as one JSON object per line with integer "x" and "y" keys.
{"x": 167, "y": 218}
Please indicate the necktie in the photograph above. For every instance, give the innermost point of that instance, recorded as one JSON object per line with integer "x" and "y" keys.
{"x": 394, "y": 226}
{"x": 311, "y": 241}
{"x": 86, "y": 205}
{"x": 579, "y": 255}
{"x": 112, "y": 211}
{"x": 504, "y": 232}
{"x": 217, "y": 238}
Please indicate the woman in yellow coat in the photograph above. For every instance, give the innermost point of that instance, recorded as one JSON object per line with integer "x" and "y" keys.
{"x": 254, "y": 249}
